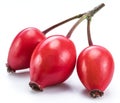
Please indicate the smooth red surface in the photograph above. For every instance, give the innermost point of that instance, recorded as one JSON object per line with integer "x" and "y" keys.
{"x": 53, "y": 61}
{"x": 95, "y": 67}
{"x": 22, "y": 47}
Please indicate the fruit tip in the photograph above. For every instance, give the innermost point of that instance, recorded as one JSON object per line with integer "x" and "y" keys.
{"x": 9, "y": 69}
{"x": 96, "y": 93}
{"x": 35, "y": 86}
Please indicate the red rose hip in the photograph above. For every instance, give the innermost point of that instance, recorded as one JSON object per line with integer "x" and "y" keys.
{"x": 95, "y": 68}
{"x": 52, "y": 62}
{"x": 22, "y": 48}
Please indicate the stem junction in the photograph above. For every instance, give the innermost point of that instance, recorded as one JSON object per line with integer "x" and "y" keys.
{"x": 83, "y": 16}
{"x": 87, "y": 16}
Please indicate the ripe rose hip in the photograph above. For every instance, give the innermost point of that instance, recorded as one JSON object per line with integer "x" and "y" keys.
{"x": 22, "y": 48}
{"x": 95, "y": 68}
{"x": 52, "y": 62}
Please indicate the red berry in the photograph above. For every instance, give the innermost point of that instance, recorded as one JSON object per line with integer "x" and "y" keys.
{"x": 95, "y": 67}
{"x": 22, "y": 47}
{"x": 52, "y": 62}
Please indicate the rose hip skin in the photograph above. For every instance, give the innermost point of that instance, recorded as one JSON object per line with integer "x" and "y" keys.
{"x": 52, "y": 62}
{"x": 95, "y": 67}
{"x": 22, "y": 47}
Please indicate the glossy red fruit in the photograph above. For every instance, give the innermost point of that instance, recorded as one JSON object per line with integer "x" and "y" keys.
{"x": 95, "y": 67}
{"x": 22, "y": 47}
{"x": 52, "y": 62}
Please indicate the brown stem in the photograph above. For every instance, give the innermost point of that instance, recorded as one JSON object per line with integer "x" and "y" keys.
{"x": 88, "y": 16}
{"x": 96, "y": 9}
{"x": 62, "y": 22}
{"x": 88, "y": 32}
{"x": 75, "y": 25}
{"x": 90, "y": 13}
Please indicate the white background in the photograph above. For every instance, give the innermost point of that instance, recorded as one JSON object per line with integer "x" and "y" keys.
{"x": 16, "y": 15}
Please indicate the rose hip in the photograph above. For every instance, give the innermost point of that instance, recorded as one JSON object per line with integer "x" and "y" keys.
{"x": 22, "y": 48}
{"x": 95, "y": 68}
{"x": 52, "y": 62}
